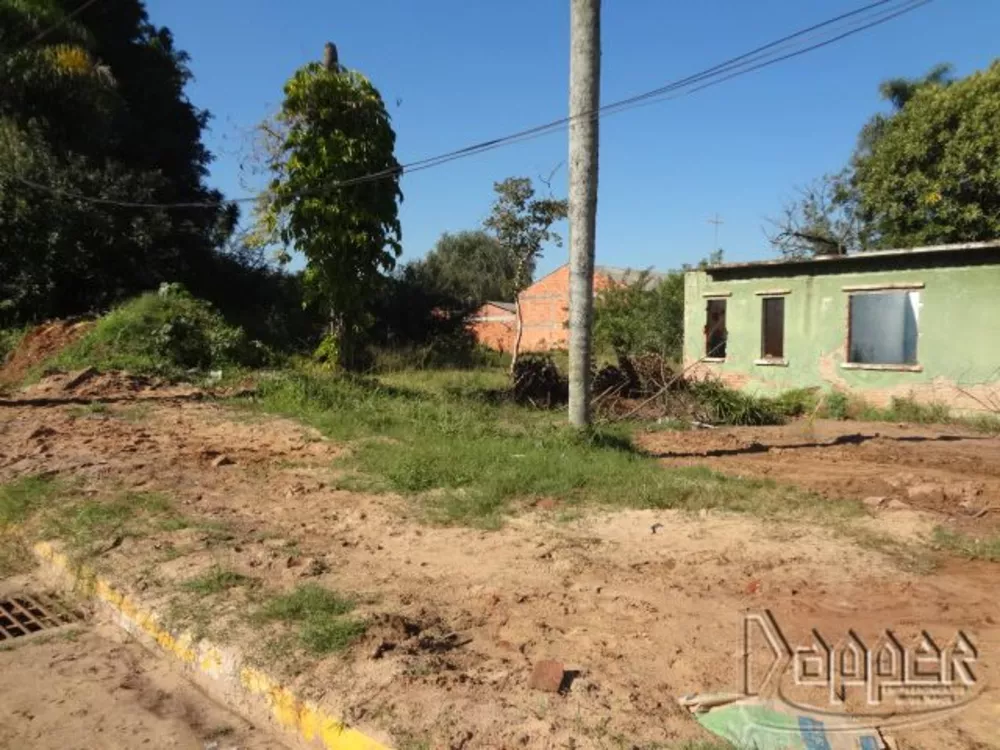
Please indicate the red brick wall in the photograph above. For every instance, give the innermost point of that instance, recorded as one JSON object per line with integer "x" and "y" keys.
{"x": 493, "y": 327}
{"x": 545, "y": 311}
{"x": 544, "y": 315}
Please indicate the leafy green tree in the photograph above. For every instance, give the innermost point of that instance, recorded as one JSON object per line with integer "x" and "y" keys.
{"x": 933, "y": 174}
{"x": 96, "y": 108}
{"x": 642, "y": 316}
{"x": 836, "y": 214}
{"x": 469, "y": 267}
{"x": 522, "y": 224}
{"x": 333, "y": 127}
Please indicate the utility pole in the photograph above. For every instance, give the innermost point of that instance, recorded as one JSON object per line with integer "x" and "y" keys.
{"x": 584, "y": 102}
{"x": 717, "y": 220}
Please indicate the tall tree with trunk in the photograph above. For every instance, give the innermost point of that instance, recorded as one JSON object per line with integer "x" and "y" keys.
{"x": 333, "y": 127}
{"x": 584, "y": 102}
{"x": 522, "y": 224}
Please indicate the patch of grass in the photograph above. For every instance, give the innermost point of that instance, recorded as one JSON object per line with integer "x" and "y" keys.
{"x": 472, "y": 461}
{"x": 909, "y": 557}
{"x": 22, "y": 497}
{"x": 10, "y": 338}
{"x": 88, "y": 524}
{"x": 724, "y": 405}
{"x": 318, "y": 614}
{"x": 90, "y": 410}
{"x": 15, "y": 557}
{"x": 987, "y": 548}
{"x": 215, "y": 581}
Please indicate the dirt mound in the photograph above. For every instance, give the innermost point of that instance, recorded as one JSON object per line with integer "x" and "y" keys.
{"x": 39, "y": 344}
{"x": 89, "y": 384}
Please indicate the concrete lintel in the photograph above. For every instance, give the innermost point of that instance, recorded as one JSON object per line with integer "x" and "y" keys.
{"x": 709, "y": 295}
{"x": 773, "y": 292}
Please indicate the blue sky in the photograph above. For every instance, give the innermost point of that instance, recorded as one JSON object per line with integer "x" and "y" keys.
{"x": 455, "y": 72}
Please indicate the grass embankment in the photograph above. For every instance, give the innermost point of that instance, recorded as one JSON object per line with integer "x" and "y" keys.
{"x": 472, "y": 458}
{"x": 165, "y": 333}
{"x": 36, "y": 508}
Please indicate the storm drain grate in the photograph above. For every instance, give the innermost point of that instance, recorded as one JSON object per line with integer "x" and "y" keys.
{"x": 26, "y": 614}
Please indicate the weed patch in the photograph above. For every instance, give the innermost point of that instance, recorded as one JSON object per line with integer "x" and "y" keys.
{"x": 987, "y": 548}
{"x": 22, "y": 497}
{"x": 319, "y": 616}
{"x": 215, "y": 581}
{"x": 472, "y": 461}
{"x": 88, "y": 526}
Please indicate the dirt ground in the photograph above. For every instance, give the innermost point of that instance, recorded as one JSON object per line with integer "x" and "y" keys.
{"x": 86, "y": 687}
{"x": 641, "y": 606}
{"x": 948, "y": 471}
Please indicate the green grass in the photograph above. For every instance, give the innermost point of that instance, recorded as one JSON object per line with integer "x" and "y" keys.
{"x": 22, "y": 497}
{"x": 987, "y": 548}
{"x": 163, "y": 333}
{"x": 471, "y": 460}
{"x": 86, "y": 525}
{"x": 318, "y": 614}
{"x": 216, "y": 581}
{"x": 9, "y": 340}
{"x": 90, "y": 410}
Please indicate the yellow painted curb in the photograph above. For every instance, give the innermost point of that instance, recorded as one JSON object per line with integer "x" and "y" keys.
{"x": 242, "y": 688}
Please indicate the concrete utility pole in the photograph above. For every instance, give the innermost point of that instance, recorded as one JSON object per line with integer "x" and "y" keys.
{"x": 584, "y": 101}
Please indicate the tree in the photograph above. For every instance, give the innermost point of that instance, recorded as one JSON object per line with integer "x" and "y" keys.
{"x": 933, "y": 174}
{"x": 829, "y": 217}
{"x": 522, "y": 224}
{"x": 823, "y": 221}
{"x": 642, "y": 316}
{"x": 97, "y": 109}
{"x": 334, "y": 128}
{"x": 469, "y": 267}
{"x": 584, "y": 103}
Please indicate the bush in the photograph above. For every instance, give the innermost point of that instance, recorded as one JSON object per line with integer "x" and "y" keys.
{"x": 718, "y": 404}
{"x": 641, "y": 317}
{"x": 163, "y": 333}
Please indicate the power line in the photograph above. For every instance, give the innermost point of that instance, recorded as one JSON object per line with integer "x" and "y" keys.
{"x": 859, "y": 20}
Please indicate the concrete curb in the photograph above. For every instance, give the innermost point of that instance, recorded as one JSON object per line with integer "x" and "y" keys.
{"x": 220, "y": 671}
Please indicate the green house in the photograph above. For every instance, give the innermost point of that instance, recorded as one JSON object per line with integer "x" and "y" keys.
{"x": 921, "y": 323}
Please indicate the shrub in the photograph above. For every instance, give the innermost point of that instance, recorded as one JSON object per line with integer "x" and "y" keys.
{"x": 719, "y": 404}
{"x": 642, "y": 316}
{"x": 162, "y": 332}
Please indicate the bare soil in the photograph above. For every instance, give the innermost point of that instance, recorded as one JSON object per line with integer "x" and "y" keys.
{"x": 641, "y": 606}
{"x": 950, "y": 472}
{"x": 38, "y": 344}
{"x": 87, "y": 687}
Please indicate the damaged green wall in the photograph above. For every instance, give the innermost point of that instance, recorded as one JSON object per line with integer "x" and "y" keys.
{"x": 958, "y": 339}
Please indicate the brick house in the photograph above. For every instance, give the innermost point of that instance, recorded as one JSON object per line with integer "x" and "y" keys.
{"x": 544, "y": 312}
